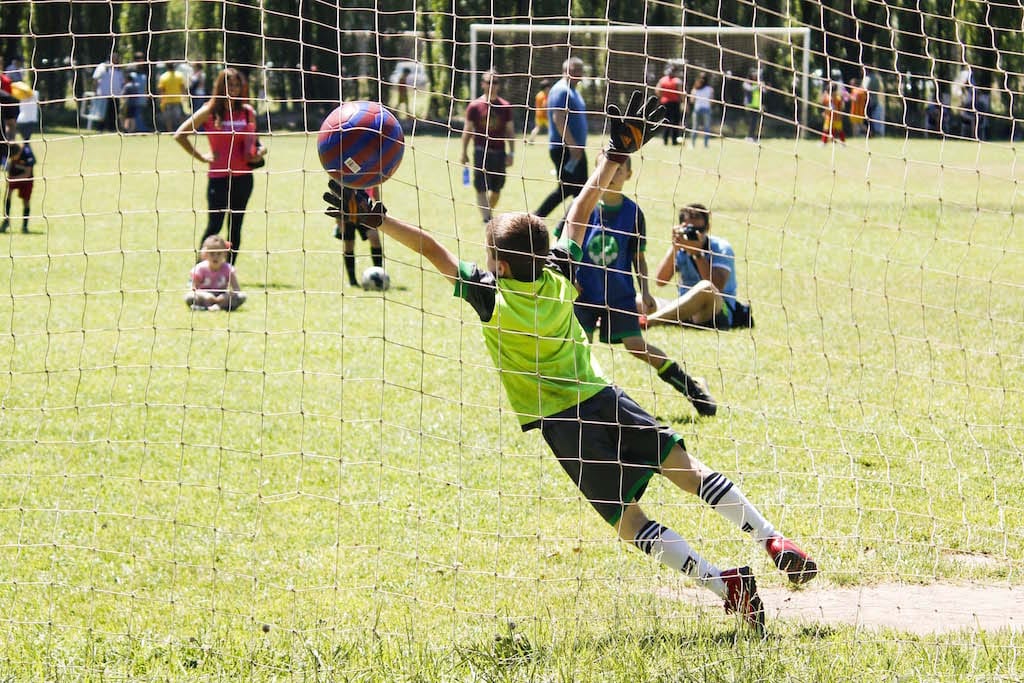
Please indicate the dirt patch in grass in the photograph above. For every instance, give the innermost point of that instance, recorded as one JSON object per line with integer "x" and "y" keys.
{"x": 934, "y": 608}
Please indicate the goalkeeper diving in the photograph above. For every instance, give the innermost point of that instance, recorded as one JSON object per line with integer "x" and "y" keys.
{"x": 607, "y": 444}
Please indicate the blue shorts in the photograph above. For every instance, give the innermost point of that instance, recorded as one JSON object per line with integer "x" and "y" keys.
{"x": 610, "y": 447}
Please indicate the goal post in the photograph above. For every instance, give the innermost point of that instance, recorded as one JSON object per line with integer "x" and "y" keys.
{"x": 722, "y": 51}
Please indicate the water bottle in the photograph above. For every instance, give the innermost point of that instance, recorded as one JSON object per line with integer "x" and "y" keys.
{"x": 465, "y": 176}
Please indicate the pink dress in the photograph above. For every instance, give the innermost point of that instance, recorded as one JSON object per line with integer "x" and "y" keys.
{"x": 212, "y": 280}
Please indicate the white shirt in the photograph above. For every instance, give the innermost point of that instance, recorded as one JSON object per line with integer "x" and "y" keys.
{"x": 702, "y": 98}
{"x": 109, "y": 79}
{"x": 28, "y": 109}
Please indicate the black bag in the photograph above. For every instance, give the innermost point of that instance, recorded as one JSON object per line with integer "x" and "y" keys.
{"x": 742, "y": 316}
{"x": 257, "y": 146}
{"x": 262, "y": 161}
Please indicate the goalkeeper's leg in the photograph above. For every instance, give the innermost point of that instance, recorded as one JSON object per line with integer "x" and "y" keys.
{"x": 736, "y": 587}
{"x": 715, "y": 489}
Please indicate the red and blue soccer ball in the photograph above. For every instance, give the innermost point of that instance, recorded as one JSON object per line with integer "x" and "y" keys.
{"x": 360, "y": 144}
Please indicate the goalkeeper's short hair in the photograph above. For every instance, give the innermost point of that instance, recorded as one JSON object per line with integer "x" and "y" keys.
{"x": 522, "y": 241}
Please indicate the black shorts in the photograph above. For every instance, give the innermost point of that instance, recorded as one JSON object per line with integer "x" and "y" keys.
{"x": 488, "y": 170}
{"x": 610, "y": 447}
{"x": 615, "y": 323}
{"x": 722, "y": 319}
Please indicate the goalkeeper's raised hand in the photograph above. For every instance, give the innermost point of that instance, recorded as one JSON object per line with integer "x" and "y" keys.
{"x": 630, "y": 131}
{"x": 353, "y": 206}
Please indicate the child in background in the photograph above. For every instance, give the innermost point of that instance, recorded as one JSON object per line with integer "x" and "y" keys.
{"x": 214, "y": 281}
{"x": 614, "y": 245}
{"x": 608, "y": 445}
{"x": 346, "y": 232}
{"x": 20, "y": 163}
{"x": 540, "y": 110}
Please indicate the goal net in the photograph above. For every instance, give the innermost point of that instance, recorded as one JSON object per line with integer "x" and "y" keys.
{"x": 620, "y": 58}
{"x": 328, "y": 482}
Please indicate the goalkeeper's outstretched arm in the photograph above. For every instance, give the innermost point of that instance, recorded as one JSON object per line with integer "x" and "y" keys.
{"x": 421, "y": 241}
{"x": 629, "y": 132}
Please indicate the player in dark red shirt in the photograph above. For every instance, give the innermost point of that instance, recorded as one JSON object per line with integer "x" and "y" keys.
{"x": 489, "y": 126}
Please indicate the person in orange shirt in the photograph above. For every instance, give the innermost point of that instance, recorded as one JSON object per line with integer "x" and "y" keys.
{"x": 832, "y": 118}
{"x": 670, "y": 94}
{"x": 540, "y": 109}
{"x": 858, "y": 107}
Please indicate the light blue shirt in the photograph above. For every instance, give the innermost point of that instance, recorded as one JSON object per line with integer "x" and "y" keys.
{"x": 722, "y": 256}
{"x": 562, "y": 97}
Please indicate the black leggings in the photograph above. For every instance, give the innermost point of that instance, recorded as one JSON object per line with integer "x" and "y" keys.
{"x": 223, "y": 195}
{"x": 570, "y": 180}
{"x": 670, "y": 129}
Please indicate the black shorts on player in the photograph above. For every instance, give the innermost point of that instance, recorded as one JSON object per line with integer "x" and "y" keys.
{"x": 488, "y": 170}
{"x": 610, "y": 447}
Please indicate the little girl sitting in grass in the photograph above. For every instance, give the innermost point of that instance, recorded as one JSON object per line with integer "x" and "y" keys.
{"x": 214, "y": 282}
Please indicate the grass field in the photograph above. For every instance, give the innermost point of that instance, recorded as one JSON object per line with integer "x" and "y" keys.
{"x": 328, "y": 485}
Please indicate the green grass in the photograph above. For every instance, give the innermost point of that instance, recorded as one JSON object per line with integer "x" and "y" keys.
{"x": 328, "y": 485}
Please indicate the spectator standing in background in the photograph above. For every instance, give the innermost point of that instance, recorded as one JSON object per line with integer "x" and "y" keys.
{"x": 701, "y": 97}
{"x": 832, "y": 116}
{"x": 228, "y": 124}
{"x": 130, "y": 103}
{"x": 197, "y": 87}
{"x": 28, "y": 115}
{"x": 669, "y": 92}
{"x": 489, "y": 126}
{"x": 752, "y": 91}
{"x": 143, "y": 113}
{"x": 567, "y": 136}
{"x": 540, "y": 110}
{"x": 109, "y": 80}
{"x": 171, "y": 88}
{"x": 858, "y": 108}
{"x": 402, "y": 86}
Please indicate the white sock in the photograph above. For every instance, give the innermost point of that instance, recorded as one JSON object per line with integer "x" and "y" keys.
{"x": 672, "y": 550}
{"x": 727, "y": 500}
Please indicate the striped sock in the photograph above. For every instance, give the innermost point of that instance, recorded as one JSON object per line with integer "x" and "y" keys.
{"x": 727, "y": 500}
{"x": 672, "y": 550}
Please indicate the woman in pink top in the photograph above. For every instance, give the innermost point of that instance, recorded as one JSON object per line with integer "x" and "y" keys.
{"x": 229, "y": 124}
{"x": 670, "y": 93}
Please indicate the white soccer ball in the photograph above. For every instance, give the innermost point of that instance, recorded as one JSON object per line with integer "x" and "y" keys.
{"x": 375, "y": 279}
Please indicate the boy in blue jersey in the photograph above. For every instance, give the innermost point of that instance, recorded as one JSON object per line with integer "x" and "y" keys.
{"x": 605, "y": 442}
{"x": 613, "y": 247}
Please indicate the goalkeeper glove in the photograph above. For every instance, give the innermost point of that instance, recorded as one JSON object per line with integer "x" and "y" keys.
{"x": 353, "y": 206}
{"x": 631, "y": 130}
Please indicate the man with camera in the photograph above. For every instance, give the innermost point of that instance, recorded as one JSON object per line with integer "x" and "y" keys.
{"x": 707, "y": 276}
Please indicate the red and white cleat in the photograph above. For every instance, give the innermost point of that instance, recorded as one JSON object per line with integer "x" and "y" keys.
{"x": 742, "y": 598}
{"x": 791, "y": 559}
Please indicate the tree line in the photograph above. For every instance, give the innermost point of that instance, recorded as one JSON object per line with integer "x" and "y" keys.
{"x": 315, "y": 48}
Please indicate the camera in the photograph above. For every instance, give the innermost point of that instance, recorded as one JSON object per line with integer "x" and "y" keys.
{"x": 691, "y": 232}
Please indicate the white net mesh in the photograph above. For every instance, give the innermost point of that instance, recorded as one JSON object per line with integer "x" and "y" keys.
{"x": 329, "y": 484}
